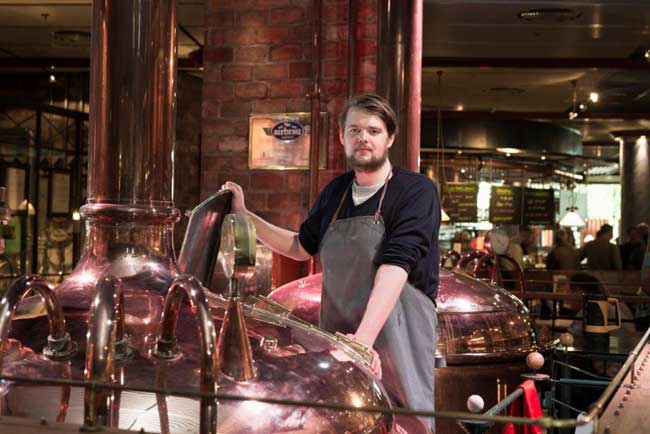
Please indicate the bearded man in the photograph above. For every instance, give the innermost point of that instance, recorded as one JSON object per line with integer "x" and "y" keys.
{"x": 376, "y": 231}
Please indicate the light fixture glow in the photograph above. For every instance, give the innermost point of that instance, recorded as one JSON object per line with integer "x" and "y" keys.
{"x": 543, "y": 157}
{"x": 52, "y": 78}
{"x": 570, "y": 175}
{"x": 642, "y": 141}
{"x": 572, "y": 219}
{"x": 594, "y": 97}
{"x": 509, "y": 150}
{"x": 460, "y": 107}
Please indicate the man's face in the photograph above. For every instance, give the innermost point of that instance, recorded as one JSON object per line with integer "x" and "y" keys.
{"x": 365, "y": 140}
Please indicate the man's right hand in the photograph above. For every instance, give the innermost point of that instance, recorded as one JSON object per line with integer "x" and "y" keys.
{"x": 238, "y": 205}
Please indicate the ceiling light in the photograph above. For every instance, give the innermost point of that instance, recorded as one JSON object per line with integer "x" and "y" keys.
{"x": 460, "y": 152}
{"x": 460, "y": 107}
{"x": 52, "y": 78}
{"x": 572, "y": 219}
{"x": 593, "y": 97}
{"x": 582, "y": 107}
{"x": 569, "y": 175}
{"x": 508, "y": 154}
{"x": 543, "y": 157}
{"x": 642, "y": 141}
{"x": 647, "y": 55}
{"x": 509, "y": 150}
{"x": 573, "y": 115}
{"x": 463, "y": 170}
{"x": 549, "y": 15}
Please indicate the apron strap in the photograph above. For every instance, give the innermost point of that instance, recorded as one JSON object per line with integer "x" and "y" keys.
{"x": 338, "y": 209}
{"x": 381, "y": 200}
{"x": 383, "y": 194}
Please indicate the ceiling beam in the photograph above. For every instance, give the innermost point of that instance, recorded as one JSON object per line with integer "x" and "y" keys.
{"x": 534, "y": 63}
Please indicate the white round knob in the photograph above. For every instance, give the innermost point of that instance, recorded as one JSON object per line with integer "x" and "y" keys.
{"x": 475, "y": 403}
{"x": 566, "y": 339}
{"x": 534, "y": 360}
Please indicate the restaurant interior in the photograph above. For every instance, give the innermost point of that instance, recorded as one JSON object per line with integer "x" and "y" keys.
{"x": 534, "y": 118}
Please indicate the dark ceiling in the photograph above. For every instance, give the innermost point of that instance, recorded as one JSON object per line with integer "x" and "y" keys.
{"x": 499, "y": 59}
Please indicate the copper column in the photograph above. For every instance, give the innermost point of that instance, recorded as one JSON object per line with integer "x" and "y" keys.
{"x": 129, "y": 214}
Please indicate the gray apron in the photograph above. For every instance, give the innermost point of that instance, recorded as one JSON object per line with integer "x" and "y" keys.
{"x": 407, "y": 342}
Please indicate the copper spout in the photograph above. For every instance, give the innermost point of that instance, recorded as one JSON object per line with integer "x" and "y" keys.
{"x": 234, "y": 347}
{"x": 105, "y": 330}
{"x": 167, "y": 346}
{"x": 59, "y": 344}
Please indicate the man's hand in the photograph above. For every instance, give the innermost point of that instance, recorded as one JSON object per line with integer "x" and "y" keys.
{"x": 375, "y": 365}
{"x": 238, "y": 204}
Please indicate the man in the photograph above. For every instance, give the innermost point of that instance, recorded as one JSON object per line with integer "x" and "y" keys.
{"x": 632, "y": 251}
{"x": 376, "y": 230}
{"x": 600, "y": 253}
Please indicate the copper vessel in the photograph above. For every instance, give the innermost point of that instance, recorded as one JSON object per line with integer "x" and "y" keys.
{"x": 484, "y": 335}
{"x": 127, "y": 340}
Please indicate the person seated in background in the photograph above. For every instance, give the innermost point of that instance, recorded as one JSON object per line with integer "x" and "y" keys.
{"x": 564, "y": 256}
{"x": 633, "y": 250}
{"x": 600, "y": 253}
{"x": 509, "y": 271}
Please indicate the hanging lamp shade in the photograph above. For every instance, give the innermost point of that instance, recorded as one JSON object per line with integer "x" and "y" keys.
{"x": 572, "y": 219}
{"x": 444, "y": 217}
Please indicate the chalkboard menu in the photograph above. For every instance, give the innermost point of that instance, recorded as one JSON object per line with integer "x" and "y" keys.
{"x": 505, "y": 205}
{"x": 539, "y": 207}
{"x": 459, "y": 202}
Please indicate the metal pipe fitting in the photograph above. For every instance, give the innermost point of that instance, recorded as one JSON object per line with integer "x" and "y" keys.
{"x": 167, "y": 346}
{"x": 105, "y": 330}
{"x": 59, "y": 344}
{"x": 233, "y": 346}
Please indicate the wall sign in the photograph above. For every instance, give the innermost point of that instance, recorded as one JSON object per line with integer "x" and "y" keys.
{"x": 539, "y": 207}
{"x": 281, "y": 141}
{"x": 459, "y": 202}
{"x": 505, "y": 205}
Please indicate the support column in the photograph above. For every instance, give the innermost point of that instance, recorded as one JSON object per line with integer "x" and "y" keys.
{"x": 398, "y": 79}
{"x": 635, "y": 178}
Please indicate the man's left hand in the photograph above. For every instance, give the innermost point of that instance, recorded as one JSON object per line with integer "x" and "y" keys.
{"x": 375, "y": 365}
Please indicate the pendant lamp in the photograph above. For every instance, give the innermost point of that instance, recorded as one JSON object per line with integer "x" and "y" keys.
{"x": 572, "y": 219}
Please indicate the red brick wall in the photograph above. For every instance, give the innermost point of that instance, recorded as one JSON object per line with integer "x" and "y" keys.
{"x": 257, "y": 59}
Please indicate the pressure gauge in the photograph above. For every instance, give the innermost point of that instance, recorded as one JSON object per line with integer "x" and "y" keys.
{"x": 497, "y": 241}
{"x": 237, "y": 250}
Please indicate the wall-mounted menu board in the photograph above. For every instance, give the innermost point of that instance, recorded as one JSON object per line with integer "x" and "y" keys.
{"x": 539, "y": 207}
{"x": 505, "y": 205}
{"x": 459, "y": 202}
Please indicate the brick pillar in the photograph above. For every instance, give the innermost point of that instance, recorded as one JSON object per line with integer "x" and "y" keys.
{"x": 257, "y": 59}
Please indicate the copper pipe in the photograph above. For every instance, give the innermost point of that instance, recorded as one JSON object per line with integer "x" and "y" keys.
{"x": 352, "y": 46}
{"x": 129, "y": 215}
{"x": 315, "y": 102}
{"x": 414, "y": 98}
{"x": 167, "y": 346}
{"x": 132, "y": 101}
{"x": 59, "y": 343}
{"x": 105, "y": 329}
{"x": 470, "y": 256}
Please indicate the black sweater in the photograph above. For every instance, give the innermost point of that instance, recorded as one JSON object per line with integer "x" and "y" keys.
{"x": 411, "y": 213}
